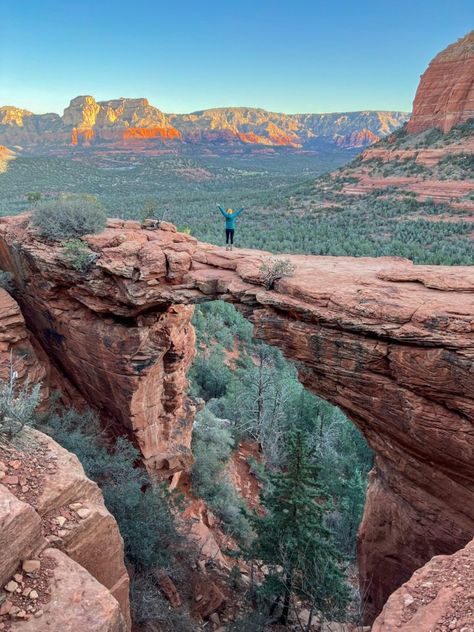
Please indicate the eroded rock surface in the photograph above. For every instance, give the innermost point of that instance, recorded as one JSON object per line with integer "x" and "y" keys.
{"x": 445, "y": 95}
{"x": 391, "y": 343}
{"x": 77, "y": 602}
{"x": 17, "y": 354}
{"x": 46, "y": 499}
{"x": 439, "y": 596}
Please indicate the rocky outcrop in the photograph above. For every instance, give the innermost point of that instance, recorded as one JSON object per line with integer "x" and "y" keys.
{"x": 358, "y": 139}
{"x": 415, "y": 162}
{"x": 46, "y": 500}
{"x": 389, "y": 342}
{"x": 135, "y": 124}
{"x": 118, "y": 120}
{"x": 76, "y": 602}
{"x": 5, "y": 155}
{"x": 17, "y": 354}
{"x": 445, "y": 95}
{"x": 437, "y": 597}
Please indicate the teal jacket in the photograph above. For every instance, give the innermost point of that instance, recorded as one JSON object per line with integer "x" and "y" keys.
{"x": 230, "y": 217}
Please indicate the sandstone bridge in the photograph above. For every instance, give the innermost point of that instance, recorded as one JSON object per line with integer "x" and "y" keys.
{"x": 390, "y": 343}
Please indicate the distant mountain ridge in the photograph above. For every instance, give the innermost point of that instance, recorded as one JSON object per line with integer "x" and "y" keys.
{"x": 136, "y": 123}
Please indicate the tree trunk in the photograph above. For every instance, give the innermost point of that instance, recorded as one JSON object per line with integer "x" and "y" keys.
{"x": 286, "y": 603}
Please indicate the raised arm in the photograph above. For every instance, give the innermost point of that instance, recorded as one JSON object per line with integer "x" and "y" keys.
{"x": 222, "y": 210}
{"x": 237, "y": 213}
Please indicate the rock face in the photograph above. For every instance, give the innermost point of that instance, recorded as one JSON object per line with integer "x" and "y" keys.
{"x": 41, "y": 484}
{"x": 77, "y": 602}
{"x": 256, "y": 126}
{"x": 134, "y": 123}
{"x": 438, "y": 596}
{"x": 389, "y": 342}
{"x": 5, "y": 155}
{"x": 63, "y": 507}
{"x": 445, "y": 95}
{"x": 16, "y": 350}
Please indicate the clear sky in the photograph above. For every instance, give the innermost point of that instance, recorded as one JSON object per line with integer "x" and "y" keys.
{"x": 282, "y": 55}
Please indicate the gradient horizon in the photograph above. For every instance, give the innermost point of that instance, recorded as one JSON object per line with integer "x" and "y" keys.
{"x": 298, "y": 56}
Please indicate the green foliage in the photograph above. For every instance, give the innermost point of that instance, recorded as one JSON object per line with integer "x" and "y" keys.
{"x": 142, "y": 510}
{"x": 6, "y": 281}
{"x": 293, "y": 541}
{"x": 184, "y": 229}
{"x": 212, "y": 446}
{"x": 263, "y": 400}
{"x": 17, "y": 405}
{"x": 220, "y": 322}
{"x": 306, "y": 215}
{"x": 79, "y": 255}
{"x": 67, "y": 218}
{"x": 34, "y": 197}
{"x": 209, "y": 375}
{"x": 149, "y": 209}
{"x": 456, "y": 167}
{"x": 275, "y": 269}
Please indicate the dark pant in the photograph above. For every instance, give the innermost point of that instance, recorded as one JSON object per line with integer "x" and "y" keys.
{"x": 229, "y": 235}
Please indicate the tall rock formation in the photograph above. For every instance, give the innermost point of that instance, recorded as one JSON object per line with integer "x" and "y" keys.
{"x": 388, "y": 342}
{"x": 445, "y": 95}
{"x": 435, "y": 167}
{"x": 118, "y": 120}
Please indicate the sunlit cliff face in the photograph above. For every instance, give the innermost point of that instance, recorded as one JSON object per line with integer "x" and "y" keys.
{"x": 87, "y": 122}
{"x": 150, "y": 132}
{"x": 13, "y": 116}
{"x": 445, "y": 95}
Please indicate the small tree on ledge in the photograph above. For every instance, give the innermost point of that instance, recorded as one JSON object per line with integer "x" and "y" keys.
{"x": 275, "y": 269}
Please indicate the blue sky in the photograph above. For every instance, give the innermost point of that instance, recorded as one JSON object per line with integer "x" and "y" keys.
{"x": 282, "y": 55}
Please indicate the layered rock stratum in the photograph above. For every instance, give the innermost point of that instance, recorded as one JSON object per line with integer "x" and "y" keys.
{"x": 136, "y": 124}
{"x": 388, "y": 342}
{"x": 445, "y": 95}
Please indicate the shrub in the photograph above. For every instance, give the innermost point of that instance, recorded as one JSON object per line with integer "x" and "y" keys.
{"x": 184, "y": 229}
{"x": 79, "y": 256}
{"x": 68, "y": 218}
{"x": 209, "y": 374}
{"x": 274, "y": 269}
{"x": 149, "y": 607}
{"x": 149, "y": 209}
{"x": 212, "y": 446}
{"x": 6, "y": 281}
{"x": 143, "y": 512}
{"x": 17, "y": 406}
{"x": 34, "y": 197}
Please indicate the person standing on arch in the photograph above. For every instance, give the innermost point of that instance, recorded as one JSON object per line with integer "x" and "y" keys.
{"x": 230, "y": 217}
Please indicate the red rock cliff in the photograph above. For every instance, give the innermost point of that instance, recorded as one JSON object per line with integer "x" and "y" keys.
{"x": 389, "y": 342}
{"x": 445, "y": 95}
{"x": 47, "y": 501}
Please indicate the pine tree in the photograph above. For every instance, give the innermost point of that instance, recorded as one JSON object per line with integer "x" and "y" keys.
{"x": 292, "y": 540}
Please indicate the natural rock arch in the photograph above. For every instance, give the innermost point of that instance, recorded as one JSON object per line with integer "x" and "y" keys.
{"x": 390, "y": 343}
